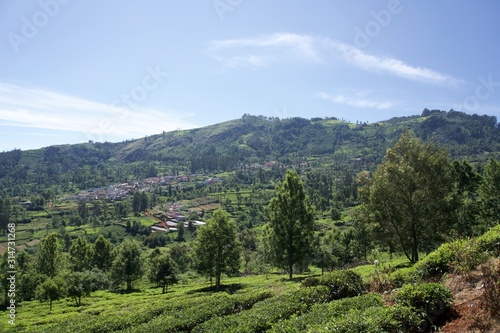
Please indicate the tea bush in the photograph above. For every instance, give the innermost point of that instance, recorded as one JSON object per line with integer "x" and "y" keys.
{"x": 322, "y": 313}
{"x": 372, "y": 320}
{"x": 430, "y": 300}
{"x": 490, "y": 241}
{"x": 184, "y": 318}
{"x": 266, "y": 313}
{"x": 342, "y": 283}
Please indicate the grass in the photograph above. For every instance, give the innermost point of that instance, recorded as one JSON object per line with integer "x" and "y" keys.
{"x": 331, "y": 122}
{"x": 385, "y": 263}
{"x": 35, "y": 316}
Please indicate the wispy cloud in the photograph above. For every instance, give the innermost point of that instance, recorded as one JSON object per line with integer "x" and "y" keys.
{"x": 280, "y": 48}
{"x": 394, "y": 66}
{"x": 39, "y": 108}
{"x": 359, "y": 100}
{"x": 265, "y": 51}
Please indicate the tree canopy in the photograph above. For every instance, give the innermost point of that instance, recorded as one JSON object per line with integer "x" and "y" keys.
{"x": 163, "y": 271}
{"x": 291, "y": 222}
{"x": 216, "y": 249}
{"x": 410, "y": 196}
{"x": 128, "y": 264}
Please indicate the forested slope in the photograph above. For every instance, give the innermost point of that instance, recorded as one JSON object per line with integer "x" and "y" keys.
{"x": 251, "y": 139}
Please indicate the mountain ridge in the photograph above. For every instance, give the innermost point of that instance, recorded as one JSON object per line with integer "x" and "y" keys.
{"x": 250, "y": 139}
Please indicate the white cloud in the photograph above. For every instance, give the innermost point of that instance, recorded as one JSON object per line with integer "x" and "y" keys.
{"x": 44, "y": 109}
{"x": 393, "y": 66}
{"x": 283, "y": 47}
{"x": 264, "y": 51}
{"x": 358, "y": 101}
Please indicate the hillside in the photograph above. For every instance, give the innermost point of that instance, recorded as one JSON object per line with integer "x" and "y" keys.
{"x": 77, "y": 213}
{"x": 366, "y": 299}
{"x": 250, "y": 139}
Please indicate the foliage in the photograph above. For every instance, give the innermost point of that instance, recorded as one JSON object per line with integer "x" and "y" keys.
{"x": 81, "y": 284}
{"x": 78, "y": 286}
{"x": 179, "y": 252}
{"x": 49, "y": 256}
{"x": 163, "y": 271}
{"x": 186, "y": 315}
{"x": 467, "y": 255}
{"x": 409, "y": 195}
{"x": 490, "y": 241}
{"x": 216, "y": 249}
{"x": 80, "y": 255}
{"x": 324, "y": 312}
{"x": 467, "y": 181}
{"x": 128, "y": 264}
{"x": 180, "y": 231}
{"x": 5, "y": 211}
{"x": 291, "y": 222}
{"x": 263, "y": 314}
{"x": 430, "y": 300}
{"x": 342, "y": 283}
{"x": 373, "y": 320}
{"x": 489, "y": 193}
{"x": 103, "y": 254}
{"x": 459, "y": 256}
{"x": 51, "y": 289}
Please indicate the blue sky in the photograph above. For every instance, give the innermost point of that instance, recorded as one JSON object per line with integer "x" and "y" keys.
{"x": 73, "y": 71}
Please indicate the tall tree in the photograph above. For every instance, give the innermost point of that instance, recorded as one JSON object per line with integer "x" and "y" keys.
{"x": 179, "y": 252}
{"x": 5, "y": 209}
{"x": 410, "y": 196}
{"x": 216, "y": 249}
{"x": 180, "y": 231}
{"x": 466, "y": 181}
{"x": 79, "y": 285}
{"x": 163, "y": 271}
{"x": 51, "y": 289}
{"x": 128, "y": 264}
{"x": 489, "y": 193}
{"x": 83, "y": 210}
{"x": 49, "y": 255}
{"x": 80, "y": 255}
{"x": 291, "y": 222}
{"x": 144, "y": 202}
{"x": 103, "y": 254}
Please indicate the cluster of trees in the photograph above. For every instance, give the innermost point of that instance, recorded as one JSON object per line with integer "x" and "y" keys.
{"x": 416, "y": 198}
{"x": 86, "y": 267}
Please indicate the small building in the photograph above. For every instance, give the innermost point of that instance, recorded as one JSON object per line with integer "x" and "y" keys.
{"x": 158, "y": 229}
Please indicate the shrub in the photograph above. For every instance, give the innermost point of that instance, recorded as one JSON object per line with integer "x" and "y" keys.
{"x": 403, "y": 276}
{"x": 398, "y": 318}
{"x": 310, "y": 281}
{"x": 490, "y": 241}
{"x": 323, "y": 313}
{"x": 429, "y": 299}
{"x": 436, "y": 263}
{"x": 343, "y": 283}
{"x": 185, "y": 318}
{"x": 467, "y": 256}
{"x": 264, "y": 314}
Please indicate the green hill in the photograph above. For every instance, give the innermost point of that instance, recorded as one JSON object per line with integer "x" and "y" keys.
{"x": 250, "y": 139}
